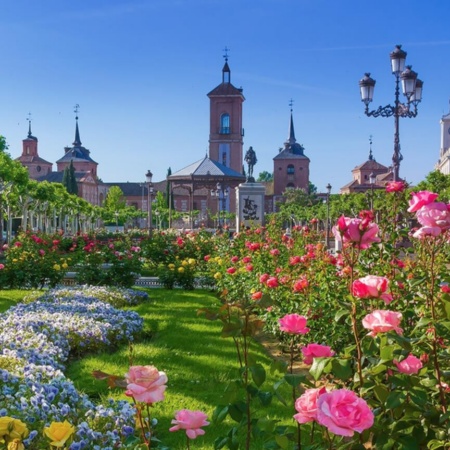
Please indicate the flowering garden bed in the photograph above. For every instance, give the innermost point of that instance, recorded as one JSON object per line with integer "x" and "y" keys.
{"x": 371, "y": 325}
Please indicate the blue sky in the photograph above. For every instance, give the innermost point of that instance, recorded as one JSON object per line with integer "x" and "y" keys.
{"x": 140, "y": 71}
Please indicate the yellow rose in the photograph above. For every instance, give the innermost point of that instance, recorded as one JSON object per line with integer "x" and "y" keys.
{"x": 59, "y": 432}
{"x": 184, "y": 262}
{"x": 16, "y": 444}
{"x": 171, "y": 266}
{"x": 191, "y": 261}
{"x": 65, "y": 266}
{"x": 13, "y": 428}
{"x": 15, "y": 260}
{"x": 56, "y": 267}
{"x": 181, "y": 269}
{"x": 217, "y": 275}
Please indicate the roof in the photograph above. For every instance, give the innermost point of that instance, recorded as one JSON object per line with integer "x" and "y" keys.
{"x": 371, "y": 164}
{"x": 32, "y": 159}
{"x": 76, "y": 154}
{"x": 206, "y": 168}
{"x": 226, "y": 89}
{"x": 292, "y": 149}
{"x": 57, "y": 177}
{"x": 130, "y": 189}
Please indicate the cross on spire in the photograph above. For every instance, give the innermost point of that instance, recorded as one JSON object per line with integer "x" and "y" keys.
{"x": 76, "y": 109}
{"x": 370, "y": 148}
{"x": 29, "y": 124}
{"x": 291, "y": 103}
{"x": 226, "y": 50}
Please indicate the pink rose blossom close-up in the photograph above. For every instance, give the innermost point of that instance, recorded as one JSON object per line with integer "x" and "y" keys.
{"x": 358, "y": 232}
{"x": 343, "y": 412}
{"x": 191, "y": 421}
{"x": 312, "y": 351}
{"x": 372, "y": 286}
{"x": 293, "y": 324}
{"x": 410, "y": 365}
{"x": 146, "y": 384}
{"x": 424, "y": 232}
{"x": 382, "y": 321}
{"x": 420, "y": 199}
{"x": 435, "y": 214}
{"x": 306, "y": 405}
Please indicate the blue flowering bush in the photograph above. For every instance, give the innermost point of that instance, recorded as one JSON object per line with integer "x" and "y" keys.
{"x": 36, "y": 340}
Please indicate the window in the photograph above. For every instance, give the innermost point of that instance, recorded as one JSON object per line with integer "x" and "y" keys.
{"x": 290, "y": 169}
{"x": 225, "y": 124}
{"x": 224, "y": 158}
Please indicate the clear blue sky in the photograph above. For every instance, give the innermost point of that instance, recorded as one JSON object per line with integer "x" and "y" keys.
{"x": 140, "y": 71}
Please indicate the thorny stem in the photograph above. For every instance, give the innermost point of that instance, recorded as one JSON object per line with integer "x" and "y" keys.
{"x": 147, "y": 442}
{"x": 432, "y": 305}
{"x": 291, "y": 370}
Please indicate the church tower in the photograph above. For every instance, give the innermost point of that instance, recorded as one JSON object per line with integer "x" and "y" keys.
{"x": 290, "y": 166}
{"x": 225, "y": 130}
{"x": 37, "y": 167}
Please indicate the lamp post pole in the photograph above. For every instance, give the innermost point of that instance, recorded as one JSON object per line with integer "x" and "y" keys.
{"x": 149, "y": 177}
{"x": 412, "y": 90}
{"x": 327, "y": 238}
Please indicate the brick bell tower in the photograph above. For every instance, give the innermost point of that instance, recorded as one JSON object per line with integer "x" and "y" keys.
{"x": 225, "y": 130}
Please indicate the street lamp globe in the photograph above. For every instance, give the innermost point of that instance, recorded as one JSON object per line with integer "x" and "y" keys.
{"x": 398, "y": 58}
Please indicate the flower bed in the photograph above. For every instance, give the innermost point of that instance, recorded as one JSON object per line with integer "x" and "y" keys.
{"x": 35, "y": 342}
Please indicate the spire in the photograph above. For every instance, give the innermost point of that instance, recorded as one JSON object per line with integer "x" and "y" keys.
{"x": 77, "y": 141}
{"x": 29, "y": 125}
{"x": 226, "y": 74}
{"x": 291, "y": 126}
{"x": 370, "y": 148}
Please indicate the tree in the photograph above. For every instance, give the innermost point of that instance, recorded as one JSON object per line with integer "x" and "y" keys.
{"x": 436, "y": 182}
{"x": 69, "y": 180}
{"x": 265, "y": 176}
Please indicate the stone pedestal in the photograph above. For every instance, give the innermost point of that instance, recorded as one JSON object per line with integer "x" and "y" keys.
{"x": 250, "y": 205}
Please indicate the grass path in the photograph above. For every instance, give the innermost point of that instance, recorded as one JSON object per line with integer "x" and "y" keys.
{"x": 197, "y": 361}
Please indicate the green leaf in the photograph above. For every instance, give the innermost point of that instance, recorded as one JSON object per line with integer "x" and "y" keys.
{"x": 341, "y": 368}
{"x": 231, "y": 330}
{"x": 387, "y": 352}
{"x": 434, "y": 444}
{"x": 258, "y": 374}
{"x": 294, "y": 379}
{"x": 236, "y": 411}
{"x": 318, "y": 367}
{"x": 395, "y": 399}
{"x": 278, "y": 366}
{"x": 381, "y": 392}
{"x": 219, "y": 414}
{"x": 282, "y": 441}
{"x": 265, "y": 398}
{"x": 418, "y": 396}
{"x": 339, "y": 314}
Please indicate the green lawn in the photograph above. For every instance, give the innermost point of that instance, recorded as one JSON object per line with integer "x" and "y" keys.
{"x": 10, "y": 298}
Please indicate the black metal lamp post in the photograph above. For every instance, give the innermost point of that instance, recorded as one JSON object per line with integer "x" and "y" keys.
{"x": 327, "y": 238}
{"x": 412, "y": 90}
{"x": 148, "y": 177}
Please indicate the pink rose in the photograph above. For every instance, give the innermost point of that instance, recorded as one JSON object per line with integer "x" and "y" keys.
{"x": 293, "y": 324}
{"x": 372, "y": 286}
{"x": 300, "y": 285}
{"x": 257, "y": 295}
{"x": 434, "y": 215}
{"x": 409, "y": 365}
{"x": 312, "y": 351}
{"x": 191, "y": 421}
{"x": 420, "y": 199}
{"x": 274, "y": 252}
{"x": 231, "y": 270}
{"x": 343, "y": 412}
{"x": 272, "y": 282}
{"x": 146, "y": 384}
{"x": 382, "y": 321}
{"x": 264, "y": 277}
{"x": 306, "y": 405}
{"x": 424, "y": 232}
{"x": 395, "y": 186}
{"x": 360, "y": 232}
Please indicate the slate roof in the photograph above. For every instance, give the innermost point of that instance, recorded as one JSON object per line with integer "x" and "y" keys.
{"x": 206, "y": 168}
{"x": 292, "y": 149}
{"x": 32, "y": 159}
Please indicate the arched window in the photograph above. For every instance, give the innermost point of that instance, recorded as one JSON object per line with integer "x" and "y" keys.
{"x": 225, "y": 124}
{"x": 290, "y": 169}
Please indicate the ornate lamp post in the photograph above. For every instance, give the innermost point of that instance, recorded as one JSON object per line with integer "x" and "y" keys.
{"x": 221, "y": 192}
{"x": 148, "y": 177}
{"x": 327, "y": 238}
{"x": 412, "y": 90}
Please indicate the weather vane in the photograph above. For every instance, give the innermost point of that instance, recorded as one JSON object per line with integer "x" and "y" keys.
{"x": 226, "y": 50}
{"x": 77, "y": 107}
{"x": 291, "y": 103}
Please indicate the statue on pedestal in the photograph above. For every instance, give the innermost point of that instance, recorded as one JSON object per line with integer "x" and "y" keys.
{"x": 250, "y": 159}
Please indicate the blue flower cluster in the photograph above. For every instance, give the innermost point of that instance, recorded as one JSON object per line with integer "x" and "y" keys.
{"x": 40, "y": 336}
